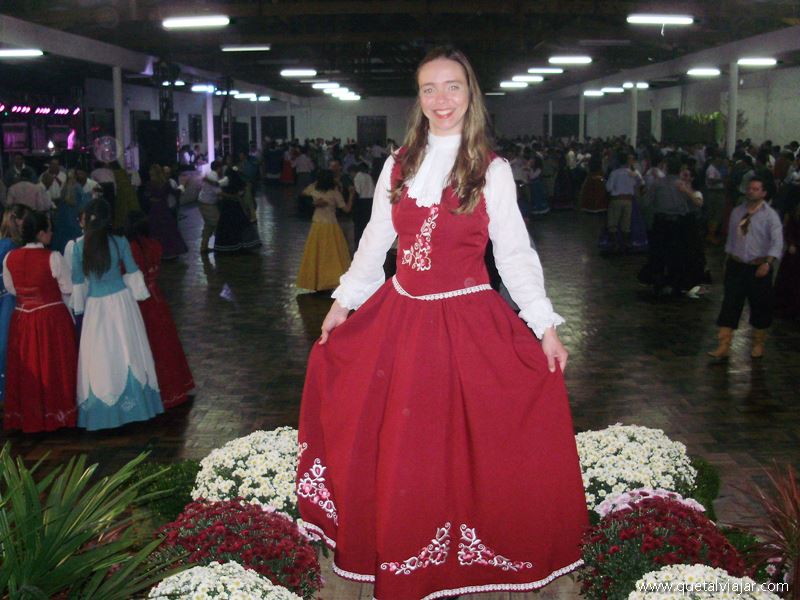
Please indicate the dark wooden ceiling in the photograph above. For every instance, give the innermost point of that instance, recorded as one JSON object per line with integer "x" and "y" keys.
{"x": 372, "y": 46}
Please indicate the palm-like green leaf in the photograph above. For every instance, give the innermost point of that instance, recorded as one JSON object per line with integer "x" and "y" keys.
{"x": 67, "y": 535}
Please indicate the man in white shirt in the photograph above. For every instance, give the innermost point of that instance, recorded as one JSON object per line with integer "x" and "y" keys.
{"x": 207, "y": 202}
{"x": 53, "y": 179}
{"x": 90, "y": 186}
{"x": 362, "y": 207}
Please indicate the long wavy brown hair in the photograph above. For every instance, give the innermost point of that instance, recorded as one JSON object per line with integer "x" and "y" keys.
{"x": 469, "y": 171}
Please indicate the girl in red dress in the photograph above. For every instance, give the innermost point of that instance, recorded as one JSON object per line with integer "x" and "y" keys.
{"x": 174, "y": 377}
{"x": 437, "y": 453}
{"x": 42, "y": 349}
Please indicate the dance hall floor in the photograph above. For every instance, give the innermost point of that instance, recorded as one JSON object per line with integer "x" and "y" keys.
{"x": 634, "y": 359}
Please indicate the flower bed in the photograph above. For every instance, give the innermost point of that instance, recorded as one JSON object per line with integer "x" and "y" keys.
{"x": 265, "y": 541}
{"x": 228, "y": 581}
{"x": 259, "y": 468}
{"x": 626, "y": 457}
{"x": 697, "y": 582}
{"x": 651, "y": 533}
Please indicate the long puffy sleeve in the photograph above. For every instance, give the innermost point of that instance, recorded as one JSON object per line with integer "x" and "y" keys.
{"x": 7, "y": 281}
{"x": 366, "y": 274}
{"x": 517, "y": 262}
{"x": 133, "y": 278}
{"x": 80, "y": 287}
{"x": 61, "y": 275}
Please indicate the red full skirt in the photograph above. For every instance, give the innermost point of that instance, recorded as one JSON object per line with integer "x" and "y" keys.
{"x": 175, "y": 379}
{"x": 437, "y": 451}
{"x": 42, "y": 370}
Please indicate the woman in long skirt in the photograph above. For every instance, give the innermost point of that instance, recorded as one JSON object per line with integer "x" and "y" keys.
{"x": 163, "y": 224}
{"x": 326, "y": 255}
{"x": 437, "y": 453}
{"x": 10, "y": 238}
{"x": 66, "y": 225}
{"x": 42, "y": 350}
{"x": 117, "y": 381}
{"x": 175, "y": 380}
{"x": 235, "y": 231}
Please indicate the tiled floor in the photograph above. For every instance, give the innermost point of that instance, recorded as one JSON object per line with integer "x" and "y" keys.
{"x": 634, "y": 359}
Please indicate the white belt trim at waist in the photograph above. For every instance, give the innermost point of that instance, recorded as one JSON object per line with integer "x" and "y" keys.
{"x": 30, "y": 310}
{"x": 442, "y": 295}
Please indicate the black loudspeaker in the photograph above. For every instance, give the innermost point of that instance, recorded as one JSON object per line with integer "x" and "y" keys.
{"x": 158, "y": 143}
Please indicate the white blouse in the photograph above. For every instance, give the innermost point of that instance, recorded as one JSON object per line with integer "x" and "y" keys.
{"x": 517, "y": 262}
{"x": 60, "y": 274}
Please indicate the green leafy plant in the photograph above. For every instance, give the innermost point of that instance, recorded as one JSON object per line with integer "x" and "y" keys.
{"x": 171, "y": 488}
{"x": 65, "y": 537}
{"x": 706, "y": 485}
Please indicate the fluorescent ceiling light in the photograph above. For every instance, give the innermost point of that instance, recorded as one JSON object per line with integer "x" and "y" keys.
{"x": 298, "y": 73}
{"x": 528, "y": 78}
{"x": 627, "y": 85}
{"x": 644, "y": 19}
{"x": 325, "y": 86}
{"x": 233, "y": 92}
{"x": 264, "y": 98}
{"x": 594, "y": 93}
{"x": 20, "y": 52}
{"x": 330, "y": 90}
{"x": 180, "y": 83}
{"x": 495, "y": 94}
{"x": 612, "y": 90}
{"x": 757, "y": 62}
{"x": 202, "y": 87}
{"x": 246, "y": 48}
{"x": 642, "y": 85}
{"x": 569, "y": 60}
{"x": 165, "y": 83}
{"x": 245, "y": 96}
{"x": 196, "y": 22}
{"x": 350, "y": 97}
{"x": 340, "y": 92}
{"x": 703, "y": 72}
{"x": 513, "y": 85}
{"x": 546, "y": 70}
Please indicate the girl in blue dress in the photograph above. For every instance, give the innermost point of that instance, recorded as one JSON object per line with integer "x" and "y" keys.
{"x": 117, "y": 381}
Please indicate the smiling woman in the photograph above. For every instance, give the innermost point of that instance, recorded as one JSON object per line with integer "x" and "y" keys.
{"x": 437, "y": 451}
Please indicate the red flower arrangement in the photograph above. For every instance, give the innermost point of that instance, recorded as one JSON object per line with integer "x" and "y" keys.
{"x": 266, "y": 542}
{"x": 652, "y": 533}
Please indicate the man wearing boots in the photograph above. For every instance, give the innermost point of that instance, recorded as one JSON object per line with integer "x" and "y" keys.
{"x": 755, "y": 242}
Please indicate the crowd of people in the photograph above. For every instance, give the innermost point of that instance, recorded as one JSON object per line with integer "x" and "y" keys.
{"x": 86, "y": 337}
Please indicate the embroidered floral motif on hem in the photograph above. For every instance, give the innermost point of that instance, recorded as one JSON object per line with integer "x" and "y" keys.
{"x": 472, "y": 552}
{"x": 418, "y": 256}
{"x": 301, "y": 447}
{"x": 434, "y": 553}
{"x": 312, "y": 486}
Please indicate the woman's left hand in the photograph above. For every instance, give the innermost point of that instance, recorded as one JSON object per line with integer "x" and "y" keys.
{"x": 554, "y": 350}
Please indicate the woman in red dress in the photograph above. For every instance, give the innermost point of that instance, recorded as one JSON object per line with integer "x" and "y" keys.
{"x": 42, "y": 349}
{"x": 174, "y": 377}
{"x": 437, "y": 453}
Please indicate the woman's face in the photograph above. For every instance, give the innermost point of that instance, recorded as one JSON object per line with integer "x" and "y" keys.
{"x": 444, "y": 95}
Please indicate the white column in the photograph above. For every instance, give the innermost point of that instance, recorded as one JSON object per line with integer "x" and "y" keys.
{"x": 733, "y": 108}
{"x": 634, "y": 116}
{"x": 288, "y": 121}
{"x": 581, "y": 116}
{"x": 210, "y": 128}
{"x": 550, "y": 119}
{"x": 119, "y": 129}
{"x": 258, "y": 128}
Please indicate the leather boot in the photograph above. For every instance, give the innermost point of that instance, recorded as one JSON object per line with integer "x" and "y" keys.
{"x": 725, "y": 337}
{"x": 759, "y": 337}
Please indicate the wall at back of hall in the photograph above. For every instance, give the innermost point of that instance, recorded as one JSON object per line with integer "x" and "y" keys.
{"x": 316, "y": 117}
{"x": 767, "y": 98}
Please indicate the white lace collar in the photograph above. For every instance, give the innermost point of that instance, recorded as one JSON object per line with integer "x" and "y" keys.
{"x": 34, "y": 245}
{"x": 426, "y": 186}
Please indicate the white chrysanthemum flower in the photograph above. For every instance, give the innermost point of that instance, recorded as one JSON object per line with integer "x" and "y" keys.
{"x": 698, "y": 582}
{"x": 624, "y": 457}
{"x": 228, "y": 581}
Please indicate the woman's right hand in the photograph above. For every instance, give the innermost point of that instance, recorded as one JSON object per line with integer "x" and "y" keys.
{"x": 335, "y": 317}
